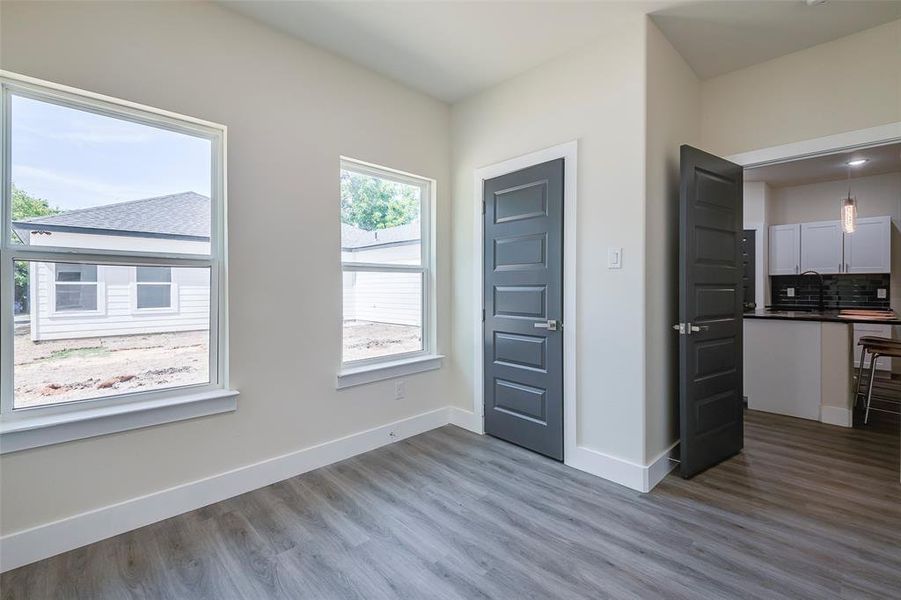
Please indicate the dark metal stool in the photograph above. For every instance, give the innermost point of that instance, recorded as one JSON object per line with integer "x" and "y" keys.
{"x": 876, "y": 347}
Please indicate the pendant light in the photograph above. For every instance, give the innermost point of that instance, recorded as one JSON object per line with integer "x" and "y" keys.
{"x": 849, "y": 209}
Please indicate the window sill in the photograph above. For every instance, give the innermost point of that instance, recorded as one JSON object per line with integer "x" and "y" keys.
{"x": 387, "y": 370}
{"x": 34, "y": 432}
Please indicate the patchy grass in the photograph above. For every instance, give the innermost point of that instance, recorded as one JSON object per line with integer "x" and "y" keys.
{"x": 77, "y": 353}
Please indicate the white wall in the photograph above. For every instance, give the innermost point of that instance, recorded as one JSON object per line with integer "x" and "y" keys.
{"x": 673, "y": 119}
{"x": 291, "y": 110}
{"x": 595, "y": 96}
{"x": 847, "y": 84}
{"x": 757, "y": 215}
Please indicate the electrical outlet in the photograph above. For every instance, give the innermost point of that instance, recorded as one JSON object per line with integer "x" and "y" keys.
{"x": 881, "y": 293}
{"x": 400, "y": 389}
{"x": 790, "y": 292}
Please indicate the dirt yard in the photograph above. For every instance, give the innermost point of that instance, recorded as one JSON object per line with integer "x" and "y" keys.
{"x": 56, "y": 371}
{"x": 365, "y": 339}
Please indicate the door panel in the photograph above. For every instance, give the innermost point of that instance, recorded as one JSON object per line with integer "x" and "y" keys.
{"x": 749, "y": 267}
{"x": 710, "y": 307}
{"x": 523, "y": 283}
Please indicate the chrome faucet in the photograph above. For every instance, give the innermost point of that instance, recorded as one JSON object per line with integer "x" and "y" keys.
{"x": 820, "y": 303}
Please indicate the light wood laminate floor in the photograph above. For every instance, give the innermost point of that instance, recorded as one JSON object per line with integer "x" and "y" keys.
{"x": 806, "y": 511}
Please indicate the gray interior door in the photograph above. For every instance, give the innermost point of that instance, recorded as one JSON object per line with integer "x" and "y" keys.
{"x": 523, "y": 271}
{"x": 710, "y": 310}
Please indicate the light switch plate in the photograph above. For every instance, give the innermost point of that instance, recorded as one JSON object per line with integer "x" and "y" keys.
{"x": 614, "y": 258}
{"x": 400, "y": 389}
{"x": 790, "y": 292}
{"x": 881, "y": 293}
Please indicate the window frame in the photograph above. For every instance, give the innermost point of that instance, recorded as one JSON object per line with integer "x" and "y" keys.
{"x": 99, "y": 290}
{"x": 66, "y": 420}
{"x": 172, "y": 308}
{"x": 350, "y": 370}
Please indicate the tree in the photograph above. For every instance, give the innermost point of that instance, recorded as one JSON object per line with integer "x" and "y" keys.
{"x": 25, "y": 206}
{"x": 372, "y": 203}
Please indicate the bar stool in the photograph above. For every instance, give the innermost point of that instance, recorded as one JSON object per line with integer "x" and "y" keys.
{"x": 876, "y": 347}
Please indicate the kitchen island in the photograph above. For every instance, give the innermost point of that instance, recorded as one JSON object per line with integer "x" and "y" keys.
{"x": 800, "y": 362}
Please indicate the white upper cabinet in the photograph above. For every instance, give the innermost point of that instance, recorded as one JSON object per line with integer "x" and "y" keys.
{"x": 869, "y": 248}
{"x": 785, "y": 249}
{"x": 821, "y": 247}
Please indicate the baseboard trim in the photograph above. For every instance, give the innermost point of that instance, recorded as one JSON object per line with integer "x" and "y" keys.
{"x": 30, "y": 545}
{"x": 837, "y": 415}
{"x": 632, "y": 475}
{"x": 466, "y": 419}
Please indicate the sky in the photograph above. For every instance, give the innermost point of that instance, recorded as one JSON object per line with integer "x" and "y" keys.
{"x": 76, "y": 159}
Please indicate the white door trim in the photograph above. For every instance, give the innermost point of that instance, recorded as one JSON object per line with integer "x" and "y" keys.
{"x": 569, "y": 153}
{"x": 830, "y": 144}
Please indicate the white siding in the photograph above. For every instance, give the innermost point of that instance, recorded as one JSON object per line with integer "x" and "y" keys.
{"x": 117, "y": 312}
{"x": 384, "y": 297}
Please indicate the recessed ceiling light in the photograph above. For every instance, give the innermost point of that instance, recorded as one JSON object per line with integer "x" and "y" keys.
{"x": 857, "y": 162}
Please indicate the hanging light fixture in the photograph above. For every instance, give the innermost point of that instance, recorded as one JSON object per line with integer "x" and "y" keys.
{"x": 849, "y": 205}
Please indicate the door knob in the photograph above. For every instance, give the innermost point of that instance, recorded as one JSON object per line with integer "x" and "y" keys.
{"x": 550, "y": 325}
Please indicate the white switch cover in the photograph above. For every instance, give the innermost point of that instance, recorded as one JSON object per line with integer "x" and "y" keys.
{"x": 790, "y": 292}
{"x": 614, "y": 258}
{"x": 881, "y": 293}
{"x": 400, "y": 389}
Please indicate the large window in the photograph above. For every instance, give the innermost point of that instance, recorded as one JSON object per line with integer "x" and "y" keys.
{"x": 111, "y": 252}
{"x": 386, "y": 263}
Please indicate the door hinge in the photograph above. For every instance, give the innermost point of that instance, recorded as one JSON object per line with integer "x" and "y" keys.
{"x": 483, "y": 315}
{"x": 483, "y": 207}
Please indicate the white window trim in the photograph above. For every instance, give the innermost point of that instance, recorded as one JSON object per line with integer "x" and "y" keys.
{"x": 99, "y": 288}
{"x": 357, "y": 372}
{"x": 50, "y": 424}
{"x": 173, "y": 307}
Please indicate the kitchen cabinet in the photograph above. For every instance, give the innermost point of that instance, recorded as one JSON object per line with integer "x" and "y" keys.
{"x": 869, "y": 248}
{"x": 785, "y": 249}
{"x": 821, "y": 247}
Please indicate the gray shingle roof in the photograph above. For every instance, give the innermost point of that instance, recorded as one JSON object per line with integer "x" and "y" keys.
{"x": 177, "y": 215}
{"x": 353, "y": 238}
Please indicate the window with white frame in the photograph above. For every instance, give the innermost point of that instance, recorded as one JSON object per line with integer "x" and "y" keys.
{"x": 153, "y": 288}
{"x": 105, "y": 205}
{"x": 75, "y": 288}
{"x": 386, "y": 262}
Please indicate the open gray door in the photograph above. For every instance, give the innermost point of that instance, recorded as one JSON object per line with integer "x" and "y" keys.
{"x": 523, "y": 271}
{"x": 710, "y": 310}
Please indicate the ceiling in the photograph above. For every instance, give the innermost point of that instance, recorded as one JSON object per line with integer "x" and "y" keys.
{"x": 881, "y": 159}
{"x": 451, "y": 50}
{"x": 716, "y": 37}
{"x": 448, "y": 50}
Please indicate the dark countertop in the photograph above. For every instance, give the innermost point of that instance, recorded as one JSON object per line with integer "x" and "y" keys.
{"x": 816, "y": 315}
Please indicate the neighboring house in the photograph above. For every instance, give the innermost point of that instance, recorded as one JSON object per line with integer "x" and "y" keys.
{"x": 77, "y": 301}
{"x": 366, "y": 296}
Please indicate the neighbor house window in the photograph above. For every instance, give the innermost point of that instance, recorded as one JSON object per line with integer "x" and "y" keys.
{"x": 153, "y": 287}
{"x": 387, "y": 265}
{"x": 112, "y": 249}
{"x": 75, "y": 287}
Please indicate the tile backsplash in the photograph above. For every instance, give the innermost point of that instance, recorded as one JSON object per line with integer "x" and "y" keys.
{"x": 839, "y": 291}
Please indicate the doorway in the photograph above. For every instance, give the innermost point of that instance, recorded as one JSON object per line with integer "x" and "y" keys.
{"x": 802, "y": 287}
{"x": 567, "y": 333}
